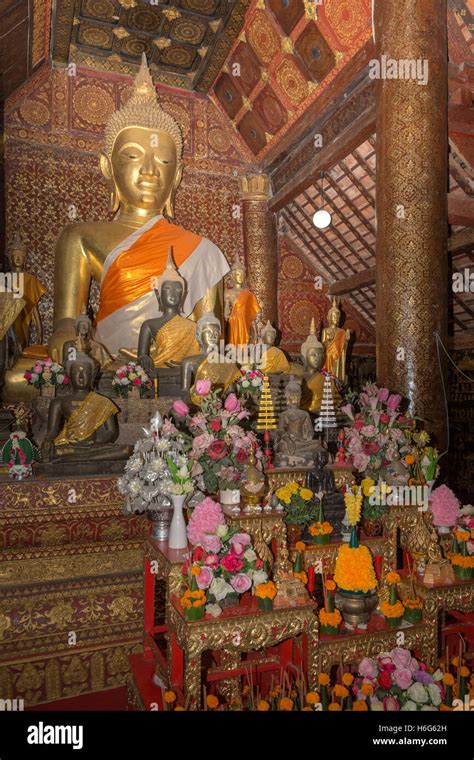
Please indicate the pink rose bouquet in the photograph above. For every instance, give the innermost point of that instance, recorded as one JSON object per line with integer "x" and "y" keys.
{"x": 130, "y": 376}
{"x": 46, "y": 372}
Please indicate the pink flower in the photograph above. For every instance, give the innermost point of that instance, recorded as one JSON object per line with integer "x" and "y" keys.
{"x": 203, "y": 387}
{"x": 385, "y": 417}
{"x": 201, "y": 443}
{"x": 369, "y": 431}
{"x": 38, "y": 369}
{"x": 27, "y": 375}
{"x": 217, "y": 450}
{"x": 196, "y": 469}
{"x": 348, "y": 411}
{"x": 444, "y": 506}
{"x": 239, "y": 542}
{"x": 383, "y": 394}
{"x": 403, "y": 678}
{"x": 361, "y": 462}
{"x": 241, "y": 583}
{"x": 359, "y": 424}
{"x": 393, "y": 402}
{"x": 211, "y": 560}
{"x": 205, "y": 518}
{"x": 414, "y": 665}
{"x": 390, "y": 704}
{"x": 401, "y": 657}
{"x": 205, "y": 577}
{"x": 216, "y": 424}
{"x": 368, "y": 668}
{"x": 137, "y": 381}
{"x": 66, "y": 380}
{"x": 232, "y": 563}
{"x": 232, "y": 403}
{"x": 181, "y": 408}
{"x": 211, "y": 543}
{"x": 48, "y": 362}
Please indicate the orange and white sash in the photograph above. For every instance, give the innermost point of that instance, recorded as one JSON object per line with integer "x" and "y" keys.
{"x": 126, "y": 292}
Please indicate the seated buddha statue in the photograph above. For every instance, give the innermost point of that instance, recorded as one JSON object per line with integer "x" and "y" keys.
{"x": 274, "y": 360}
{"x": 312, "y": 352}
{"x": 166, "y": 340}
{"x": 142, "y": 163}
{"x": 335, "y": 341}
{"x": 240, "y": 307}
{"x": 82, "y": 424}
{"x": 85, "y": 343}
{"x": 209, "y": 364}
{"x": 294, "y": 440}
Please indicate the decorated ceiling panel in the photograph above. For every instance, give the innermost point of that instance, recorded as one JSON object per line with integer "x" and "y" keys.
{"x": 185, "y": 41}
{"x": 285, "y": 57}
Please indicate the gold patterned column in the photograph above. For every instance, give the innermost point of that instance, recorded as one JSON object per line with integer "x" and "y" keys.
{"x": 412, "y": 149}
{"x": 260, "y": 243}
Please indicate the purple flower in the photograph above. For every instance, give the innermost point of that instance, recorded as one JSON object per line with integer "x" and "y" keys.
{"x": 423, "y": 677}
{"x": 241, "y": 583}
{"x": 205, "y": 577}
{"x": 403, "y": 678}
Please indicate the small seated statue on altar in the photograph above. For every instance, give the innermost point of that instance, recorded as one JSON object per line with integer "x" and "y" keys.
{"x": 312, "y": 352}
{"x": 82, "y": 425}
{"x": 85, "y": 343}
{"x": 274, "y": 360}
{"x": 209, "y": 364}
{"x": 240, "y": 307}
{"x": 335, "y": 341}
{"x": 166, "y": 340}
{"x": 295, "y": 445}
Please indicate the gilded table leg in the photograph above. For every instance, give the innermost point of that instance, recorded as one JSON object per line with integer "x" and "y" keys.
{"x": 192, "y": 680}
{"x": 230, "y": 687}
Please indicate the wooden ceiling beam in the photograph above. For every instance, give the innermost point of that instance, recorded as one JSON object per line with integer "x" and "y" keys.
{"x": 460, "y": 210}
{"x": 368, "y": 226}
{"x": 354, "y": 282}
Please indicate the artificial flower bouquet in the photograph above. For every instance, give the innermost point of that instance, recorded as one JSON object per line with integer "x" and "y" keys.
{"x": 413, "y": 606}
{"x": 180, "y": 474}
{"x": 378, "y": 432}
{"x": 130, "y": 376}
{"x": 354, "y": 570}
{"x": 45, "y": 373}
{"x": 392, "y": 609}
{"x": 228, "y": 565}
{"x": 445, "y": 508}
{"x": 329, "y": 618}
{"x": 297, "y": 501}
{"x": 193, "y": 600}
{"x": 220, "y": 446}
{"x": 265, "y": 593}
{"x": 320, "y": 532}
{"x": 396, "y": 680}
{"x": 422, "y": 460}
{"x": 250, "y": 382}
{"x": 462, "y": 553}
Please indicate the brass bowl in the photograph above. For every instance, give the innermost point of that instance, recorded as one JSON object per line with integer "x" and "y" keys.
{"x": 356, "y": 607}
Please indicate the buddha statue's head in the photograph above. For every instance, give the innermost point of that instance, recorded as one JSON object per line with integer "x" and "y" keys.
{"x": 268, "y": 334}
{"x": 237, "y": 271}
{"x": 208, "y": 331}
{"x": 18, "y": 253}
{"x": 293, "y": 393}
{"x": 82, "y": 372}
{"x": 312, "y": 350}
{"x": 170, "y": 287}
{"x": 142, "y": 161}
{"x": 83, "y": 325}
{"x": 334, "y": 314}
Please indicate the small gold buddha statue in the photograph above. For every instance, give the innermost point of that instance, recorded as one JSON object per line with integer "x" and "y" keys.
{"x": 82, "y": 424}
{"x": 274, "y": 360}
{"x": 209, "y": 364}
{"x": 294, "y": 441}
{"x": 335, "y": 341}
{"x": 142, "y": 164}
{"x": 312, "y": 351}
{"x": 166, "y": 340}
{"x": 240, "y": 306}
{"x": 85, "y": 343}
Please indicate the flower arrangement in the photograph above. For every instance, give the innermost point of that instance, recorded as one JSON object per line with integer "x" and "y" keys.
{"x": 250, "y": 382}
{"x": 18, "y": 452}
{"x": 444, "y": 506}
{"x": 396, "y": 680}
{"x": 219, "y": 445}
{"x": 298, "y": 571}
{"x": 320, "y": 532}
{"x": 374, "y": 506}
{"x": 378, "y": 432}
{"x": 228, "y": 565}
{"x": 182, "y": 482}
{"x": 422, "y": 460}
{"x": 193, "y": 599}
{"x": 265, "y": 593}
{"x": 354, "y": 569}
{"x": 460, "y": 556}
{"x": 413, "y": 609}
{"x": 46, "y": 372}
{"x": 392, "y": 608}
{"x": 130, "y": 376}
{"x": 297, "y": 500}
{"x": 329, "y": 618}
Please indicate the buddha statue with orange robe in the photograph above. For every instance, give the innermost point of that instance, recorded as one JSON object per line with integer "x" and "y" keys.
{"x": 240, "y": 307}
{"x": 273, "y": 359}
{"x": 335, "y": 340}
{"x": 142, "y": 163}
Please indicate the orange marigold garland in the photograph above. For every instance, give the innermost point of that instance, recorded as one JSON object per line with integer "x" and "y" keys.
{"x": 354, "y": 569}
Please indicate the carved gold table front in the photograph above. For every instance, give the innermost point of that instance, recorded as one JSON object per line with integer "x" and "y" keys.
{"x": 263, "y": 527}
{"x": 236, "y": 631}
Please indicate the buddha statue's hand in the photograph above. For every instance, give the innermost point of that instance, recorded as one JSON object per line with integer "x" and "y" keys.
{"x": 172, "y": 364}
{"x": 46, "y": 449}
{"x": 146, "y": 362}
{"x": 63, "y": 332}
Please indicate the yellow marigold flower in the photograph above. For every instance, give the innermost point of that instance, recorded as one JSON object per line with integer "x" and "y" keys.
{"x": 170, "y": 697}
{"x": 300, "y": 546}
{"x": 293, "y": 487}
{"x": 334, "y": 706}
{"x": 285, "y": 704}
{"x": 195, "y": 570}
{"x": 392, "y": 577}
{"x": 448, "y": 679}
{"x": 333, "y": 619}
{"x": 263, "y": 705}
{"x": 330, "y": 586}
{"x": 306, "y": 494}
{"x": 462, "y": 535}
{"x": 367, "y": 486}
{"x": 302, "y": 577}
{"x": 464, "y": 672}
{"x": 354, "y": 569}
{"x": 212, "y": 701}
{"x": 359, "y": 705}
{"x": 347, "y": 679}
{"x": 313, "y": 698}
{"x": 392, "y": 610}
{"x": 340, "y": 691}
{"x": 323, "y": 679}
{"x": 413, "y": 604}
{"x": 284, "y": 494}
{"x": 367, "y": 689}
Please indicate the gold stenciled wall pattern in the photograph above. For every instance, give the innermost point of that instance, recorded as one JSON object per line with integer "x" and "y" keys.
{"x": 55, "y": 124}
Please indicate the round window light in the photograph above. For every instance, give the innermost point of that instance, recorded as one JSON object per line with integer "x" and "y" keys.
{"x": 322, "y": 219}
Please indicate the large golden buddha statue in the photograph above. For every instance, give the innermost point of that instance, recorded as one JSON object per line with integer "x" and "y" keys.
{"x": 335, "y": 341}
{"x": 142, "y": 164}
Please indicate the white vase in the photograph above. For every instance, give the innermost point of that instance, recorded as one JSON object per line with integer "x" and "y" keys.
{"x": 178, "y": 538}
